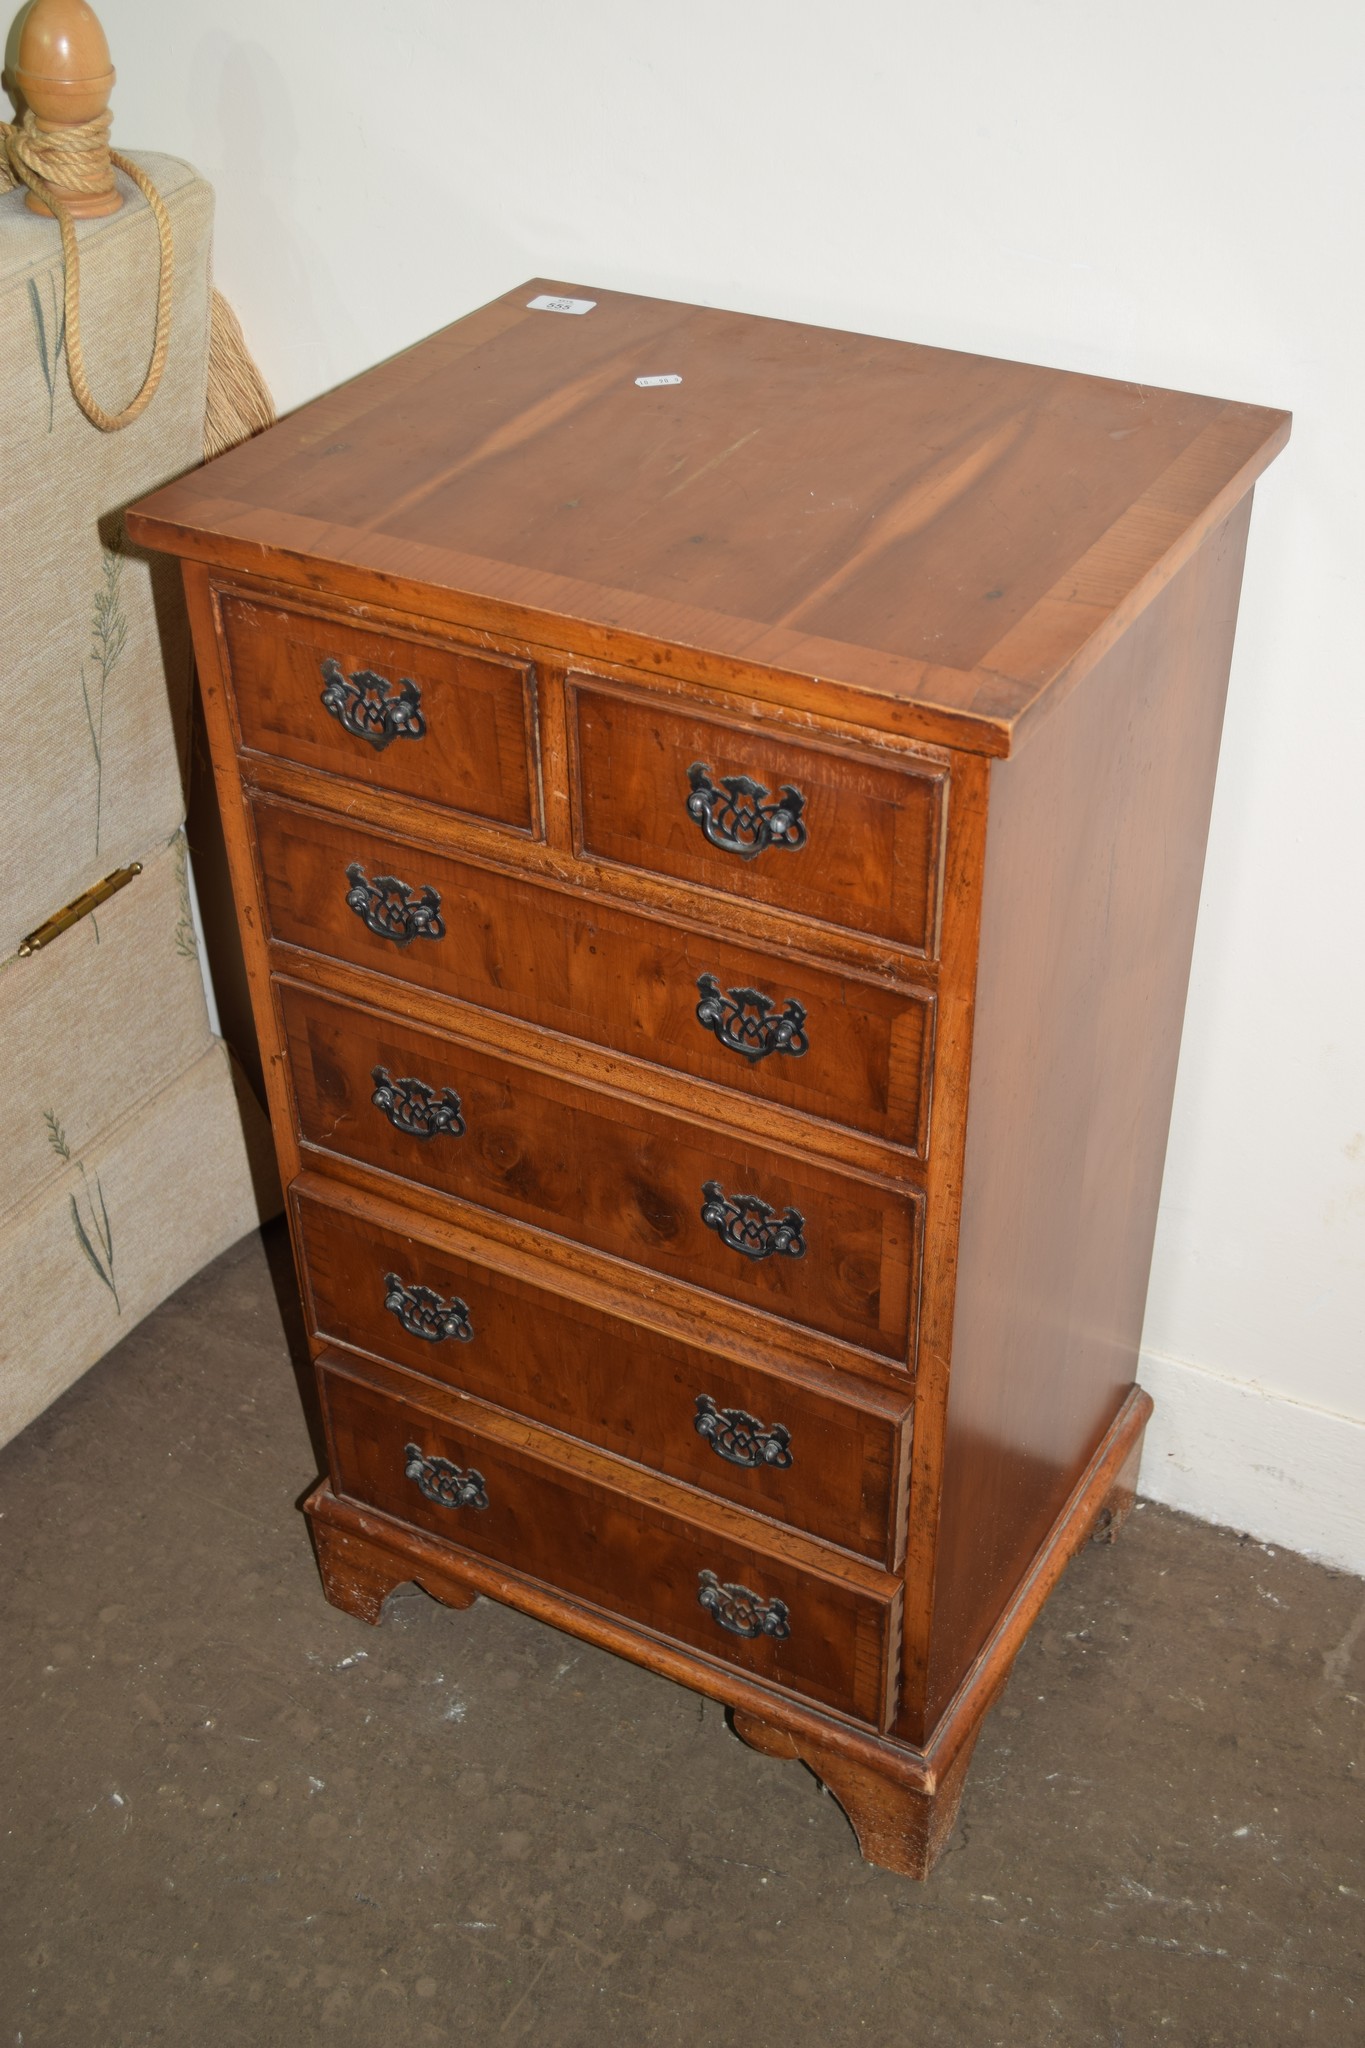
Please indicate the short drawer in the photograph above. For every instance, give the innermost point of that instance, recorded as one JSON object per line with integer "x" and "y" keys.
{"x": 423, "y": 717}
{"x": 507, "y": 1491}
{"x": 827, "y": 1460}
{"x": 824, "y": 1248}
{"x": 824, "y": 1043}
{"x": 844, "y": 838}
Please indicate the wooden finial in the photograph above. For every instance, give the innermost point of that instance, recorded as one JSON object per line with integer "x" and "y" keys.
{"x": 64, "y": 73}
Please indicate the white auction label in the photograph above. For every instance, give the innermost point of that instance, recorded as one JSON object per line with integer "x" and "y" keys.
{"x": 545, "y": 304}
{"x": 646, "y": 382}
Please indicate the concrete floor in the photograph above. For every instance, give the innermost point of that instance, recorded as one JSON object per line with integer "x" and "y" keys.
{"x": 233, "y": 1815}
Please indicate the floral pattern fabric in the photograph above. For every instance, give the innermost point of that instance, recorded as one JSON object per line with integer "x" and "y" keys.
{"x": 131, "y": 1156}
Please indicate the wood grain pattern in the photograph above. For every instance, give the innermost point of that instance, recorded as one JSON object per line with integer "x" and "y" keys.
{"x": 474, "y": 751}
{"x": 363, "y": 1556}
{"x": 1094, "y": 858}
{"x": 860, "y": 513}
{"x": 956, "y": 1013}
{"x": 240, "y": 848}
{"x": 579, "y": 966}
{"x": 866, "y": 571}
{"x": 603, "y": 1376}
{"x": 563, "y": 1515}
{"x": 768, "y": 928}
{"x": 872, "y": 831}
{"x": 578, "y": 1272}
{"x": 899, "y": 1827}
{"x": 608, "y": 1172}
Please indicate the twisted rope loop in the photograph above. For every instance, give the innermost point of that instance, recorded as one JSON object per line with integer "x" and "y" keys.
{"x": 79, "y": 159}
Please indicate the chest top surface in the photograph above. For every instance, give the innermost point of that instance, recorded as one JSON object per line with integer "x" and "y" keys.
{"x": 953, "y": 533}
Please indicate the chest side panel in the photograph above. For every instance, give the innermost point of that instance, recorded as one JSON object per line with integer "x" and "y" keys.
{"x": 1094, "y": 857}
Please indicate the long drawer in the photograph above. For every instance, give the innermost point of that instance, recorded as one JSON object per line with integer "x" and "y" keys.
{"x": 825, "y": 1043}
{"x": 824, "y": 1458}
{"x": 505, "y": 1490}
{"x": 830, "y": 1250}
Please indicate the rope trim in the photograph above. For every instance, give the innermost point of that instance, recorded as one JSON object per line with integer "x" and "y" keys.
{"x": 236, "y": 401}
{"x": 80, "y": 160}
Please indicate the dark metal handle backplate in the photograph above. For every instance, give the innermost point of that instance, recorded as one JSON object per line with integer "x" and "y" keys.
{"x": 741, "y": 817}
{"x": 751, "y": 1227}
{"x": 368, "y": 706}
{"x": 412, "y": 1106}
{"x": 740, "y": 1611}
{"x": 423, "y": 1313}
{"x": 393, "y": 910}
{"x": 743, "y": 1020}
{"x": 446, "y": 1484}
{"x": 740, "y": 1438}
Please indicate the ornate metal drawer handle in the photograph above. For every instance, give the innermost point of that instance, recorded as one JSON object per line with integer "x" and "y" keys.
{"x": 368, "y": 706}
{"x": 752, "y": 1227}
{"x": 411, "y": 1106}
{"x": 742, "y": 1019}
{"x": 392, "y": 910}
{"x": 443, "y": 1482}
{"x": 740, "y": 1438}
{"x": 736, "y": 817}
{"x": 423, "y": 1313}
{"x": 741, "y": 1612}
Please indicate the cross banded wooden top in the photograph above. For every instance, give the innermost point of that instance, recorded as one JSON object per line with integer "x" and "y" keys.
{"x": 951, "y": 538}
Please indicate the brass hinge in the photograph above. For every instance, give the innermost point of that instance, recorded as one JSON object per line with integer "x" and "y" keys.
{"x": 79, "y": 907}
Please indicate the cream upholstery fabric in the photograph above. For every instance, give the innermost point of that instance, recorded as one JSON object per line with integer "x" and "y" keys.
{"x": 96, "y": 670}
{"x": 127, "y": 1219}
{"x": 123, "y": 1160}
{"x": 96, "y": 1022}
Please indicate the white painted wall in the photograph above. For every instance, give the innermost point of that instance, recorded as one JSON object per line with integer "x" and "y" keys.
{"x": 1171, "y": 192}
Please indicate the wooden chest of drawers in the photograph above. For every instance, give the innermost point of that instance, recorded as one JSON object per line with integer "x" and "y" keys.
{"x": 718, "y": 860}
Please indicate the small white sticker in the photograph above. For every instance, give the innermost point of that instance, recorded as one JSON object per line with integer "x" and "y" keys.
{"x": 646, "y": 383}
{"x": 545, "y": 304}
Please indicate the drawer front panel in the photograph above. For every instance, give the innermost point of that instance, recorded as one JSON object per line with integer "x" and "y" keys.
{"x": 820, "y": 1247}
{"x": 827, "y": 1044}
{"x": 422, "y": 1461}
{"x": 831, "y": 836}
{"x": 425, "y": 718}
{"x": 820, "y": 1462}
